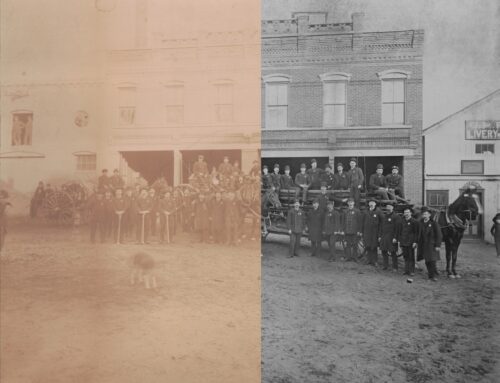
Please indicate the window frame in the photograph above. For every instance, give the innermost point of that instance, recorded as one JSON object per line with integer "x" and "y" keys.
{"x": 274, "y": 80}
{"x": 81, "y": 156}
{"x": 481, "y": 146}
{"x": 465, "y": 162}
{"x": 22, "y": 112}
{"x": 439, "y": 192}
{"x": 127, "y": 102}
{"x": 219, "y": 105}
{"x": 335, "y": 78}
{"x": 176, "y": 104}
{"x": 392, "y": 75}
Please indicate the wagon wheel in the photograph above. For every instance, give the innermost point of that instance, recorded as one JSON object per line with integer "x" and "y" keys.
{"x": 59, "y": 207}
{"x": 77, "y": 192}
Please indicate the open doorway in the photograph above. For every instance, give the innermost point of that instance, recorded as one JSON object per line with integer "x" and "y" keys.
{"x": 293, "y": 162}
{"x": 213, "y": 158}
{"x": 151, "y": 165}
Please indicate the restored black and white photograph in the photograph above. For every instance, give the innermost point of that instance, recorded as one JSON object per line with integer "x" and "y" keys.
{"x": 380, "y": 191}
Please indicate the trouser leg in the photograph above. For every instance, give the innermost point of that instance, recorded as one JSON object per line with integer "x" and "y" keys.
{"x": 394, "y": 256}
{"x": 331, "y": 246}
{"x": 385, "y": 259}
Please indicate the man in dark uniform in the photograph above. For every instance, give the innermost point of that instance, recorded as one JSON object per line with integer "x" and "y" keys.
{"x": 120, "y": 207}
{"x": 232, "y": 220}
{"x": 166, "y": 208}
{"x": 144, "y": 205}
{"x": 103, "y": 181}
{"x": 37, "y": 199}
{"x": 217, "y": 216}
{"x": 327, "y": 177}
{"x": 429, "y": 243}
{"x": 395, "y": 183}
{"x": 226, "y": 169}
{"x": 276, "y": 178}
{"x": 187, "y": 211}
{"x": 340, "y": 179}
{"x": 377, "y": 183}
{"x": 267, "y": 181}
{"x": 352, "y": 229}
{"x": 255, "y": 170}
{"x": 286, "y": 180}
{"x": 110, "y": 214}
{"x": 315, "y": 227}
{"x": 356, "y": 179}
{"x": 200, "y": 166}
{"x": 202, "y": 218}
{"x": 323, "y": 198}
{"x": 303, "y": 181}
{"x": 153, "y": 214}
{"x": 408, "y": 240}
{"x": 391, "y": 232}
{"x": 116, "y": 181}
{"x": 295, "y": 221}
{"x": 315, "y": 175}
{"x": 372, "y": 231}
{"x": 332, "y": 226}
{"x": 97, "y": 218}
{"x": 129, "y": 216}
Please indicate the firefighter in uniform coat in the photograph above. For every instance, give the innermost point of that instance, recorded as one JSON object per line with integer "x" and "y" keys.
{"x": 372, "y": 231}
{"x": 315, "y": 227}
{"x": 303, "y": 181}
{"x": 377, "y": 183}
{"x": 267, "y": 181}
{"x": 356, "y": 179}
{"x": 217, "y": 215}
{"x": 200, "y": 166}
{"x": 429, "y": 243}
{"x": 408, "y": 240}
{"x": 144, "y": 205}
{"x": 395, "y": 183}
{"x": 103, "y": 181}
{"x": 287, "y": 182}
{"x": 116, "y": 181}
{"x": 352, "y": 228}
{"x": 340, "y": 179}
{"x": 97, "y": 217}
{"x": 129, "y": 216}
{"x": 391, "y": 231}
{"x": 201, "y": 210}
{"x": 166, "y": 208}
{"x": 296, "y": 222}
{"x": 332, "y": 226}
{"x": 276, "y": 178}
{"x": 315, "y": 175}
{"x": 226, "y": 169}
{"x": 120, "y": 207}
{"x": 328, "y": 177}
{"x": 323, "y": 198}
{"x": 232, "y": 219}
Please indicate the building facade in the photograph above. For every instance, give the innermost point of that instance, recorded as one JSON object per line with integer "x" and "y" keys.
{"x": 333, "y": 91}
{"x": 147, "y": 99}
{"x": 470, "y": 138}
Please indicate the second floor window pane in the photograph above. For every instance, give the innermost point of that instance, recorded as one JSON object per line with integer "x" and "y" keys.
{"x": 22, "y": 129}
{"x": 393, "y": 101}
{"x": 224, "y": 103}
{"x": 174, "y": 104}
{"x": 334, "y": 100}
{"x": 277, "y": 105}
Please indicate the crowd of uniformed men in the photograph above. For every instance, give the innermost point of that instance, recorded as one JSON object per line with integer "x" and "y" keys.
{"x": 379, "y": 230}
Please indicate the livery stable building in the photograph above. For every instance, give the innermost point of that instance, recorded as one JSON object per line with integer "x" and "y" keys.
{"x": 148, "y": 103}
{"x": 332, "y": 91}
{"x": 462, "y": 150}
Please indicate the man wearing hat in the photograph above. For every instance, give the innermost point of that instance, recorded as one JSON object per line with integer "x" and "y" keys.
{"x": 372, "y": 230}
{"x": 327, "y": 177}
{"x": 103, "y": 181}
{"x": 429, "y": 243}
{"x": 296, "y": 222}
{"x": 356, "y": 179}
{"x": 225, "y": 168}
{"x": 276, "y": 178}
{"x": 267, "y": 181}
{"x": 315, "y": 227}
{"x": 255, "y": 170}
{"x": 352, "y": 228}
{"x": 340, "y": 179}
{"x": 377, "y": 183}
{"x": 120, "y": 206}
{"x": 332, "y": 226}
{"x": 323, "y": 198}
{"x": 287, "y": 182}
{"x": 97, "y": 217}
{"x": 303, "y": 181}
{"x": 395, "y": 183}
{"x": 391, "y": 232}
{"x": 200, "y": 166}
{"x": 408, "y": 240}
{"x": 116, "y": 181}
{"x": 315, "y": 175}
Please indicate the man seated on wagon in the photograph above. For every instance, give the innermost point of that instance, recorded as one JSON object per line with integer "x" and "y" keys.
{"x": 225, "y": 168}
{"x": 200, "y": 166}
{"x": 315, "y": 175}
{"x": 276, "y": 178}
{"x": 395, "y": 183}
{"x": 267, "y": 181}
{"x": 377, "y": 183}
{"x": 103, "y": 181}
{"x": 303, "y": 180}
{"x": 340, "y": 180}
{"x": 328, "y": 177}
{"x": 287, "y": 182}
{"x": 116, "y": 181}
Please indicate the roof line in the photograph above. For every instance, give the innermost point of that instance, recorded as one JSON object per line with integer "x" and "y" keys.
{"x": 461, "y": 110}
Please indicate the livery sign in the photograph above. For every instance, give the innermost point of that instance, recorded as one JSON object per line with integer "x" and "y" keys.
{"x": 482, "y": 130}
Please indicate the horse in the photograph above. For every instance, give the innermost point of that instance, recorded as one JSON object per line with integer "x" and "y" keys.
{"x": 453, "y": 221}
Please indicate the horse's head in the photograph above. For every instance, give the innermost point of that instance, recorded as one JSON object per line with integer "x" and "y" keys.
{"x": 467, "y": 206}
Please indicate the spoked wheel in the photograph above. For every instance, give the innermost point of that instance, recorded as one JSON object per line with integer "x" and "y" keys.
{"x": 59, "y": 208}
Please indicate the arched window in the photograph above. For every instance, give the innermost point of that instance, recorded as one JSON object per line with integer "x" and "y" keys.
{"x": 224, "y": 100}
{"x": 174, "y": 102}
{"x": 393, "y": 96}
{"x": 127, "y": 103}
{"x": 276, "y": 99}
{"x": 334, "y": 98}
{"x": 22, "y": 127}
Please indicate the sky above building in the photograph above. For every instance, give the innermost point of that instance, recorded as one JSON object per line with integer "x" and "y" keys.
{"x": 462, "y": 42}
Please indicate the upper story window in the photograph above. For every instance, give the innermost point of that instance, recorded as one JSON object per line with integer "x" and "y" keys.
{"x": 86, "y": 162}
{"x": 276, "y": 98}
{"x": 485, "y": 148}
{"x": 127, "y": 105}
{"x": 174, "y": 103}
{"x": 334, "y": 98}
{"x": 22, "y": 128}
{"x": 393, "y": 96}
{"x": 224, "y": 101}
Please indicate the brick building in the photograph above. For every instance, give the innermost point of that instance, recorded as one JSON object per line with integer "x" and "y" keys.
{"x": 333, "y": 91}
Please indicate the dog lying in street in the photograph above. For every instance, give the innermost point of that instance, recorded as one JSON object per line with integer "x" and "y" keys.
{"x": 143, "y": 266}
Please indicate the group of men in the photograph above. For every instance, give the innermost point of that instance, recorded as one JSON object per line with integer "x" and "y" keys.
{"x": 210, "y": 207}
{"x": 388, "y": 187}
{"x": 386, "y": 231}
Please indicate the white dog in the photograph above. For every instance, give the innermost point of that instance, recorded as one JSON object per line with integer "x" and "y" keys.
{"x": 142, "y": 270}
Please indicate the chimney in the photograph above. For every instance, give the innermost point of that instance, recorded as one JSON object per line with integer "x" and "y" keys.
{"x": 358, "y": 21}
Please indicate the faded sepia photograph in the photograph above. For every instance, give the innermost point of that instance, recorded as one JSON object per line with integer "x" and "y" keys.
{"x": 380, "y": 191}
{"x": 130, "y": 191}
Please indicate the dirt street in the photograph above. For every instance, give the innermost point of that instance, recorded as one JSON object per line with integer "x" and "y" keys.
{"x": 347, "y": 322}
{"x": 69, "y": 313}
